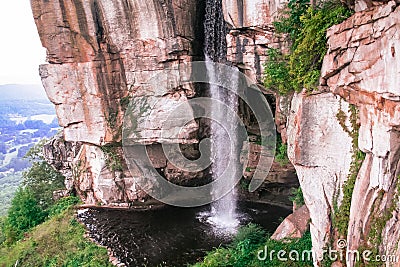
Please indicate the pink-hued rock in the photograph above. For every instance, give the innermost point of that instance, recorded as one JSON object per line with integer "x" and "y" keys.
{"x": 364, "y": 57}
{"x": 251, "y": 13}
{"x": 101, "y": 52}
{"x": 247, "y": 48}
{"x": 294, "y": 226}
{"x": 251, "y": 33}
{"x": 361, "y": 68}
{"x": 102, "y": 55}
{"x": 320, "y": 150}
{"x": 370, "y": 80}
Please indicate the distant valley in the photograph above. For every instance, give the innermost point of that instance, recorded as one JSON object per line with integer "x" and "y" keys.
{"x": 26, "y": 116}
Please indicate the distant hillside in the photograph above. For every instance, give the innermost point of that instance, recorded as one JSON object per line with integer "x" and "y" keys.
{"x": 26, "y": 116}
{"x": 22, "y": 92}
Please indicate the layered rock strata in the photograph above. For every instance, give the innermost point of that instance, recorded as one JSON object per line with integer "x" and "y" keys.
{"x": 360, "y": 69}
{"x": 107, "y": 57}
{"x": 102, "y": 56}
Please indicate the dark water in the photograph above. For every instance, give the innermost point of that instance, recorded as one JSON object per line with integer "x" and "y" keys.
{"x": 168, "y": 236}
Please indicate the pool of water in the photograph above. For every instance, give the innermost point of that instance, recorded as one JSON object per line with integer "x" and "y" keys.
{"x": 169, "y": 236}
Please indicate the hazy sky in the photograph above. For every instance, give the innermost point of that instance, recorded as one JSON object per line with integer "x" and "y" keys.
{"x": 20, "y": 49}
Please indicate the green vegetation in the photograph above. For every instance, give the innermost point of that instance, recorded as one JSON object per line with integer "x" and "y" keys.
{"x": 341, "y": 214}
{"x": 62, "y": 205}
{"x": 113, "y": 159}
{"x": 36, "y": 231}
{"x": 340, "y": 219}
{"x": 41, "y": 179}
{"x": 124, "y": 102}
{"x": 34, "y": 198}
{"x": 276, "y": 71}
{"x": 39, "y": 231}
{"x": 297, "y": 197}
{"x": 24, "y": 214}
{"x": 248, "y": 242}
{"x": 22, "y": 109}
{"x": 281, "y": 152}
{"x": 378, "y": 222}
{"x": 305, "y": 26}
{"x": 112, "y": 118}
{"x": 59, "y": 241}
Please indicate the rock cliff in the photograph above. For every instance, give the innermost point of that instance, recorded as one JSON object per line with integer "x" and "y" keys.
{"x": 344, "y": 140}
{"x": 360, "y": 78}
{"x": 101, "y": 55}
{"x": 356, "y": 110}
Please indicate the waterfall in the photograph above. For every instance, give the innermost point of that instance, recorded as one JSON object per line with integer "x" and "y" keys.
{"x": 223, "y": 129}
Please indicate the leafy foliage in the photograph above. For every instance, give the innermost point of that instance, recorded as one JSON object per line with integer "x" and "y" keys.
{"x": 42, "y": 179}
{"x": 252, "y": 234}
{"x": 245, "y": 247}
{"x": 306, "y": 26}
{"x": 59, "y": 241}
{"x": 277, "y": 72}
{"x": 281, "y": 153}
{"x": 62, "y": 205}
{"x": 113, "y": 159}
{"x": 310, "y": 46}
{"x": 33, "y": 199}
{"x": 290, "y": 21}
{"x": 8, "y": 187}
{"x": 342, "y": 214}
{"x": 297, "y": 197}
{"x": 24, "y": 213}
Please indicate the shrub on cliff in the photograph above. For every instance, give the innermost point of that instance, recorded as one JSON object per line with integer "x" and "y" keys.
{"x": 42, "y": 179}
{"x": 305, "y": 26}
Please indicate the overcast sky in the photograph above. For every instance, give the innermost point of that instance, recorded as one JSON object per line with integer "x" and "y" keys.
{"x": 20, "y": 49}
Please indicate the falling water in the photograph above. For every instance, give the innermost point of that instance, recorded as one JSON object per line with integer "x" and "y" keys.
{"x": 223, "y": 128}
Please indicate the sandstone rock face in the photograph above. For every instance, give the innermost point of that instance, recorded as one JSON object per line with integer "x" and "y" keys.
{"x": 369, "y": 78}
{"x": 361, "y": 68}
{"x": 294, "y": 226}
{"x": 280, "y": 180}
{"x": 251, "y": 33}
{"x": 250, "y": 37}
{"x": 250, "y": 13}
{"x": 248, "y": 48}
{"x": 320, "y": 150}
{"x": 102, "y": 56}
{"x": 61, "y": 155}
{"x": 102, "y": 52}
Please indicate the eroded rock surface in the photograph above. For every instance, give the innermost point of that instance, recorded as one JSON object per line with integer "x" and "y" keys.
{"x": 361, "y": 68}
{"x": 107, "y": 58}
{"x": 294, "y": 226}
{"x": 102, "y": 55}
{"x": 320, "y": 150}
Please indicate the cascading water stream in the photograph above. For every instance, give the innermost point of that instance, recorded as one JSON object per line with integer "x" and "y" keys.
{"x": 225, "y": 151}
